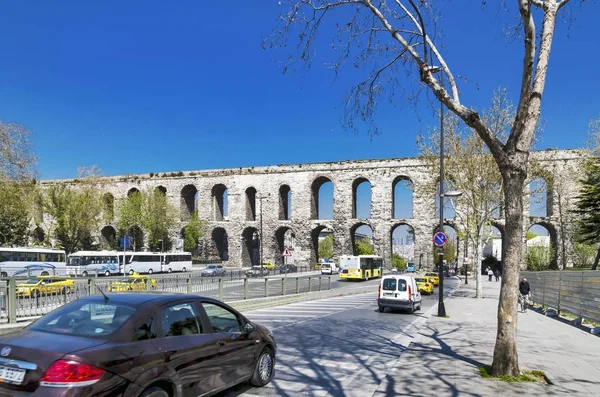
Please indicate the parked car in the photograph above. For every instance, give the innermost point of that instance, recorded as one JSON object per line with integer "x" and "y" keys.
{"x": 257, "y": 271}
{"x": 135, "y": 282}
{"x": 398, "y": 292}
{"x": 45, "y": 285}
{"x": 288, "y": 268}
{"x": 138, "y": 345}
{"x": 213, "y": 271}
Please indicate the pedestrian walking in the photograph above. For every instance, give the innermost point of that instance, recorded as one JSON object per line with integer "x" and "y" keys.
{"x": 490, "y": 274}
{"x": 524, "y": 294}
{"x": 497, "y": 274}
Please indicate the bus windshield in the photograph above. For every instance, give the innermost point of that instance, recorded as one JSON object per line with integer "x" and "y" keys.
{"x": 74, "y": 261}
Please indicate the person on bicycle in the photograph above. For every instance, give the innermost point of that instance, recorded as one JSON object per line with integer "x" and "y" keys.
{"x": 524, "y": 293}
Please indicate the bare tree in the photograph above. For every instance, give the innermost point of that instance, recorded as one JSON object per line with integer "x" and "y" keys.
{"x": 387, "y": 35}
{"x": 18, "y": 160}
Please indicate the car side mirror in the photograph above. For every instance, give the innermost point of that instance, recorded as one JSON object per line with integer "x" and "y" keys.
{"x": 248, "y": 328}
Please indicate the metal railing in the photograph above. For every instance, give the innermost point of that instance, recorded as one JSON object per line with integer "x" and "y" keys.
{"x": 574, "y": 292}
{"x": 18, "y": 302}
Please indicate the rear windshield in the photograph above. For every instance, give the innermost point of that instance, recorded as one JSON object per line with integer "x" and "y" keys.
{"x": 325, "y": 266}
{"x": 85, "y": 319}
{"x": 389, "y": 284}
{"x": 421, "y": 280}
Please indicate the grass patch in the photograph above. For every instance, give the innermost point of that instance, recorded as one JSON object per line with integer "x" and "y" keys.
{"x": 526, "y": 376}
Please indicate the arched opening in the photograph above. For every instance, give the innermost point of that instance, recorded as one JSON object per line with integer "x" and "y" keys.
{"x": 220, "y": 243}
{"x": 188, "y": 201}
{"x": 161, "y": 189}
{"x": 285, "y": 203}
{"x": 402, "y": 201}
{"x": 220, "y": 202}
{"x": 108, "y": 201}
{"x": 285, "y": 238}
{"x": 403, "y": 245}
{"x": 132, "y": 191}
{"x": 250, "y": 247}
{"x": 450, "y": 248}
{"x": 449, "y": 212}
{"x": 39, "y": 236}
{"x": 361, "y": 236}
{"x": 540, "y": 201}
{"x": 251, "y": 204}
{"x": 542, "y": 247}
{"x": 322, "y": 198}
{"x": 109, "y": 238}
{"x": 361, "y": 198}
{"x": 322, "y": 244}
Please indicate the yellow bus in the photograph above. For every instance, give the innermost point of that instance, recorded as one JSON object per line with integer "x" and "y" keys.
{"x": 362, "y": 267}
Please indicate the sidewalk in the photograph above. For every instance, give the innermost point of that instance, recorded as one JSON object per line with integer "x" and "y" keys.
{"x": 443, "y": 359}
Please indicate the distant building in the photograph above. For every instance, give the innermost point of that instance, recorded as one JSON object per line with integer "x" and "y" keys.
{"x": 493, "y": 248}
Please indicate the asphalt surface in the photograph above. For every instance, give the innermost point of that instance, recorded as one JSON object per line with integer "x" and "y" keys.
{"x": 339, "y": 346}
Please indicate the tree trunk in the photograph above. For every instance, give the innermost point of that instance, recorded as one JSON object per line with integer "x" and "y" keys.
{"x": 478, "y": 277}
{"x": 506, "y": 360}
{"x": 596, "y": 259}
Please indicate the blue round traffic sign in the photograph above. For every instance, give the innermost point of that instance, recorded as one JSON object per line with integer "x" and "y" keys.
{"x": 440, "y": 239}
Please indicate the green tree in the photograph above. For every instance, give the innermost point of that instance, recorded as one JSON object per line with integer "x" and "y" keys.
{"x": 584, "y": 254}
{"x": 398, "y": 262}
{"x": 76, "y": 214}
{"x": 15, "y": 213}
{"x": 326, "y": 247}
{"x": 363, "y": 246}
{"x": 531, "y": 235}
{"x": 588, "y": 207}
{"x": 129, "y": 211}
{"x": 382, "y": 38}
{"x": 192, "y": 232}
{"x": 539, "y": 257}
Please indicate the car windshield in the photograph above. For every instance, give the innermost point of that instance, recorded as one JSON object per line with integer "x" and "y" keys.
{"x": 421, "y": 280}
{"x": 32, "y": 281}
{"x": 255, "y": 267}
{"x": 85, "y": 319}
{"x": 211, "y": 267}
{"x": 127, "y": 280}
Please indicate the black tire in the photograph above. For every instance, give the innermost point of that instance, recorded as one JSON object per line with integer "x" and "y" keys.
{"x": 154, "y": 392}
{"x": 3, "y": 274}
{"x": 84, "y": 274}
{"x": 170, "y": 270}
{"x": 107, "y": 273}
{"x": 184, "y": 269}
{"x": 412, "y": 308}
{"x": 131, "y": 272}
{"x": 263, "y": 369}
{"x": 150, "y": 271}
{"x": 44, "y": 273}
{"x": 381, "y": 309}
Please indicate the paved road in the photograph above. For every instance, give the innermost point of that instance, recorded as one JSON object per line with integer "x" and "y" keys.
{"x": 337, "y": 346}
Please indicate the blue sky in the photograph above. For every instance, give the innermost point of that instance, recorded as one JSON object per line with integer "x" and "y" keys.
{"x": 159, "y": 87}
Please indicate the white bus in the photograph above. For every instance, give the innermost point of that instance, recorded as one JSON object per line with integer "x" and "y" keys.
{"x": 177, "y": 262}
{"x": 155, "y": 262}
{"x": 89, "y": 263}
{"x": 31, "y": 262}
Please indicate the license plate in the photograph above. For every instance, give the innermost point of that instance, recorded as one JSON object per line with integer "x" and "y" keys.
{"x": 12, "y": 375}
{"x": 388, "y": 294}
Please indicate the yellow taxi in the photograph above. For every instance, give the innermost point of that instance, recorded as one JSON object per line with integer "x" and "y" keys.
{"x": 424, "y": 285}
{"x": 45, "y": 285}
{"x": 433, "y": 277}
{"x": 135, "y": 282}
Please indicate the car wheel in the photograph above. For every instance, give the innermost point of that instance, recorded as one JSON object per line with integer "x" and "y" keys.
{"x": 412, "y": 308}
{"x": 381, "y": 309}
{"x": 84, "y": 274}
{"x": 154, "y": 392}
{"x": 263, "y": 370}
{"x": 107, "y": 273}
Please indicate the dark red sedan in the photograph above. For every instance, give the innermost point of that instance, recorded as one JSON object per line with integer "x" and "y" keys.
{"x": 134, "y": 345}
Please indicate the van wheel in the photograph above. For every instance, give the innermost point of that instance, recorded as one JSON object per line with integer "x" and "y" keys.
{"x": 381, "y": 309}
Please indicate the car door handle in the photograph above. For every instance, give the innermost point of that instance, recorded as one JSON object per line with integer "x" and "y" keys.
{"x": 221, "y": 343}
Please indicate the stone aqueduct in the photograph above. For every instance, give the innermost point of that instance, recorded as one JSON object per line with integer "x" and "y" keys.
{"x": 255, "y": 193}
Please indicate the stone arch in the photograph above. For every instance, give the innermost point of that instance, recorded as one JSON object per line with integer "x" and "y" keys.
{"x": 220, "y": 202}
{"x": 366, "y": 232}
{"x": 402, "y": 198}
{"x": 540, "y": 195}
{"x": 108, "y": 206}
{"x": 161, "y": 189}
{"x": 285, "y": 237}
{"x": 402, "y": 241}
{"x": 251, "y": 204}
{"x": 220, "y": 243}
{"x": 187, "y": 201}
{"x": 250, "y": 247}
{"x": 132, "y": 191}
{"x": 39, "y": 236}
{"x": 357, "y": 210}
{"x": 109, "y": 237}
{"x": 316, "y": 235}
{"x": 316, "y": 211}
{"x": 285, "y": 202}
{"x": 136, "y": 234}
{"x": 545, "y": 249}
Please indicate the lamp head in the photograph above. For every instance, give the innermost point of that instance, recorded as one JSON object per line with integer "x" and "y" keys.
{"x": 453, "y": 194}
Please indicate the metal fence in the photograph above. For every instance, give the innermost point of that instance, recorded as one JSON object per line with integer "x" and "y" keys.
{"x": 574, "y": 292}
{"x": 18, "y": 302}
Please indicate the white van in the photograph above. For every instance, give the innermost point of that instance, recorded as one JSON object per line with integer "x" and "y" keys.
{"x": 328, "y": 268}
{"x": 398, "y": 292}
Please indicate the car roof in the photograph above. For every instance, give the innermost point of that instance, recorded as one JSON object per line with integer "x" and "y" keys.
{"x": 143, "y": 297}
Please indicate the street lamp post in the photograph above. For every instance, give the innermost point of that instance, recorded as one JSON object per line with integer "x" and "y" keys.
{"x": 261, "y": 232}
